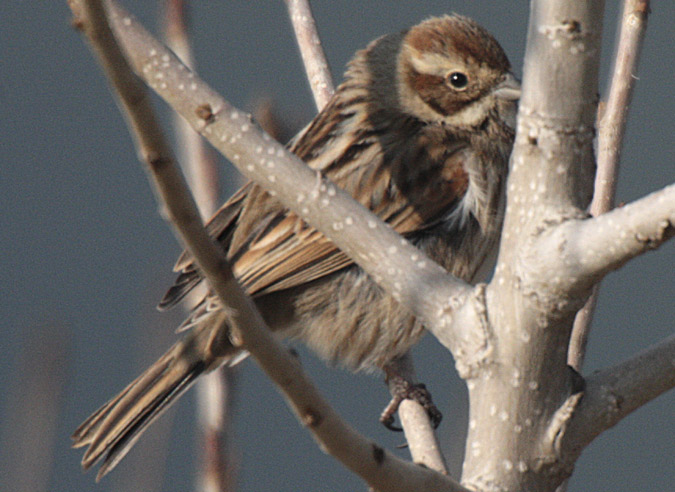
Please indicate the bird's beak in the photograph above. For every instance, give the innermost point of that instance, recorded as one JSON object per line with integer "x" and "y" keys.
{"x": 508, "y": 89}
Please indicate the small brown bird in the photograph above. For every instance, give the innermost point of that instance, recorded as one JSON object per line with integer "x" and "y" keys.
{"x": 420, "y": 132}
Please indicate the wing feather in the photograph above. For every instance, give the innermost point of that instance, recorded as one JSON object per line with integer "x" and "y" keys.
{"x": 414, "y": 185}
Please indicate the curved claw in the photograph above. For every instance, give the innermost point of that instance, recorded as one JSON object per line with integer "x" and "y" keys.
{"x": 416, "y": 392}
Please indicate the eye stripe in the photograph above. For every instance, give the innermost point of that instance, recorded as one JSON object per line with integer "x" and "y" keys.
{"x": 433, "y": 90}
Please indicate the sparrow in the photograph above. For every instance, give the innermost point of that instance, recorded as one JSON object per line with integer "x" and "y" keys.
{"x": 420, "y": 132}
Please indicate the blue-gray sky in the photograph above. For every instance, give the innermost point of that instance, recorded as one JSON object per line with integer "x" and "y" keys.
{"x": 85, "y": 251}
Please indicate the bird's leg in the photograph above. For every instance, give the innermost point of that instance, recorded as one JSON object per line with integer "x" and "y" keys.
{"x": 399, "y": 376}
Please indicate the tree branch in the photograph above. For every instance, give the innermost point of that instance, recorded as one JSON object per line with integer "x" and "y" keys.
{"x": 214, "y": 390}
{"x": 313, "y": 57}
{"x": 523, "y": 389}
{"x": 613, "y": 393}
{"x": 611, "y": 130}
{"x": 379, "y": 468}
{"x": 198, "y": 159}
{"x": 612, "y": 126}
{"x": 589, "y": 249}
{"x": 419, "y": 432}
{"x": 552, "y": 165}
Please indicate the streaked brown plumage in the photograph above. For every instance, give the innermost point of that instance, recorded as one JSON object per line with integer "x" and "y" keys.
{"x": 420, "y": 132}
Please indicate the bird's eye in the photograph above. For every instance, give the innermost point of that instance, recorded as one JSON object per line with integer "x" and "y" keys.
{"x": 457, "y": 80}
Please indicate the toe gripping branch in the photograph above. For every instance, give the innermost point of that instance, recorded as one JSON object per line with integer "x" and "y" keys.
{"x": 402, "y": 389}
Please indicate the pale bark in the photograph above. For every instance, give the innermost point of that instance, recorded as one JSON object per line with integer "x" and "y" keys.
{"x": 613, "y": 393}
{"x": 314, "y": 60}
{"x": 587, "y": 250}
{"x": 197, "y": 158}
{"x": 420, "y": 436}
{"x": 550, "y": 258}
{"x": 522, "y": 396}
{"x": 611, "y": 130}
{"x": 214, "y": 390}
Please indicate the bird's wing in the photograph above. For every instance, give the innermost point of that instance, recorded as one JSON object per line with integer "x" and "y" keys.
{"x": 271, "y": 248}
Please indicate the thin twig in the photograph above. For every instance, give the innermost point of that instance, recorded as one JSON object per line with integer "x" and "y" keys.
{"x": 33, "y": 396}
{"x": 612, "y": 126}
{"x": 313, "y": 57}
{"x": 589, "y": 249}
{"x": 613, "y": 393}
{"x": 611, "y": 130}
{"x": 197, "y": 159}
{"x": 378, "y": 467}
{"x": 419, "y": 432}
{"x": 214, "y": 390}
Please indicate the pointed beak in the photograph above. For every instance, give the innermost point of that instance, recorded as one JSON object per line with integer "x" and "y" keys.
{"x": 508, "y": 89}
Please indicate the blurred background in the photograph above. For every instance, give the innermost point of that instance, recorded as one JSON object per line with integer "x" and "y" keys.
{"x": 86, "y": 256}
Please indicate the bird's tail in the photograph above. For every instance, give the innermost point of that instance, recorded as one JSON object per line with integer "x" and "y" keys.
{"x": 115, "y": 427}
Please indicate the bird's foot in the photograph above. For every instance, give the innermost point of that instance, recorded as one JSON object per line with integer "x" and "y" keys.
{"x": 402, "y": 389}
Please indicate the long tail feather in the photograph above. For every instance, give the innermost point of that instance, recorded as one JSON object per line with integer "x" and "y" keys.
{"x": 114, "y": 428}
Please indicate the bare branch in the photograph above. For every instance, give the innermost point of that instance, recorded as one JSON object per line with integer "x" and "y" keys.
{"x": 313, "y": 57}
{"x": 552, "y": 165}
{"x": 218, "y": 462}
{"x": 615, "y": 392}
{"x": 580, "y": 331}
{"x": 523, "y": 392}
{"x": 198, "y": 159}
{"x": 419, "y": 433}
{"x": 589, "y": 249}
{"x": 379, "y": 468}
{"x": 214, "y": 395}
{"x": 33, "y": 407}
{"x": 612, "y": 126}
{"x": 611, "y": 131}
{"x": 420, "y": 436}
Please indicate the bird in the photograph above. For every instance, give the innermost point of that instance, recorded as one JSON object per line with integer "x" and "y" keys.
{"x": 420, "y": 132}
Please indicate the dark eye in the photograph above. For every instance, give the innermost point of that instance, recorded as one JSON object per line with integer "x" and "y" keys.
{"x": 457, "y": 80}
